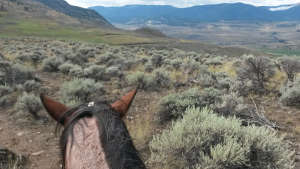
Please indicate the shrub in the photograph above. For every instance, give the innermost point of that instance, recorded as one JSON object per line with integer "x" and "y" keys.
{"x": 176, "y": 63}
{"x": 113, "y": 72}
{"x": 233, "y": 105}
{"x": 11, "y": 160}
{"x": 12, "y": 74}
{"x": 81, "y": 90}
{"x": 78, "y": 59}
{"x": 1, "y": 57}
{"x": 141, "y": 79}
{"x": 66, "y": 67}
{"x": 256, "y": 71}
{"x": 30, "y": 103}
{"x": 161, "y": 79}
{"x": 202, "y": 139}
{"x": 5, "y": 90}
{"x": 157, "y": 60}
{"x": 290, "y": 94}
{"x": 76, "y": 71}
{"x": 149, "y": 67}
{"x": 217, "y": 80}
{"x": 87, "y": 52}
{"x": 22, "y": 73}
{"x": 172, "y": 106}
{"x": 31, "y": 85}
{"x": 291, "y": 66}
{"x": 105, "y": 58}
{"x": 215, "y": 61}
{"x": 52, "y": 64}
{"x": 95, "y": 72}
{"x": 7, "y": 100}
{"x": 35, "y": 57}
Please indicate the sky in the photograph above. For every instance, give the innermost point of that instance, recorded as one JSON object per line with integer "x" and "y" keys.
{"x": 177, "y": 3}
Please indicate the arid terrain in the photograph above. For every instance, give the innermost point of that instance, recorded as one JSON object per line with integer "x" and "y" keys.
{"x": 37, "y": 140}
{"x": 203, "y": 102}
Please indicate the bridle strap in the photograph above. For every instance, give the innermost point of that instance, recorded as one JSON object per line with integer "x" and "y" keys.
{"x": 70, "y": 115}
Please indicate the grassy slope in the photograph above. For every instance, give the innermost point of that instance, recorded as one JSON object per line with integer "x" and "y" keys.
{"x": 20, "y": 27}
{"x": 281, "y": 51}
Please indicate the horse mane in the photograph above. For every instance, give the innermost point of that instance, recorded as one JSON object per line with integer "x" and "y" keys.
{"x": 115, "y": 139}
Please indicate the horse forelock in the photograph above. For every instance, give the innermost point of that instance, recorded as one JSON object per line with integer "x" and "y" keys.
{"x": 114, "y": 138}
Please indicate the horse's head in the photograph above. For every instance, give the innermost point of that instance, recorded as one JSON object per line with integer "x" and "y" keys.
{"x": 95, "y": 135}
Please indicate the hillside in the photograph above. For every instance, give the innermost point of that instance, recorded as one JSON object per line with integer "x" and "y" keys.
{"x": 57, "y": 19}
{"x": 160, "y": 14}
{"x": 57, "y": 11}
{"x": 82, "y": 14}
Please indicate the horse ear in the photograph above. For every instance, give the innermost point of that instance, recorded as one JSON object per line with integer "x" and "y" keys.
{"x": 54, "y": 108}
{"x": 124, "y": 103}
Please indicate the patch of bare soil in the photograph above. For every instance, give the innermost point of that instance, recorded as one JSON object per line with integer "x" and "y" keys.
{"x": 288, "y": 120}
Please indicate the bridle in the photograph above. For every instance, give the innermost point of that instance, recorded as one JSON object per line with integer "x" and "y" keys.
{"x": 74, "y": 113}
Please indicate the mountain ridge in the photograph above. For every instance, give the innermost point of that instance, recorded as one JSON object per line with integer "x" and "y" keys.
{"x": 74, "y": 11}
{"x": 166, "y": 14}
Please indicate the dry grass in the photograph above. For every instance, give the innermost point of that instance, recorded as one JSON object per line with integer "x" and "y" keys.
{"x": 277, "y": 80}
{"x": 226, "y": 67}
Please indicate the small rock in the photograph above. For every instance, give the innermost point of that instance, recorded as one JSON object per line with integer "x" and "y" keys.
{"x": 37, "y": 153}
{"x": 20, "y": 134}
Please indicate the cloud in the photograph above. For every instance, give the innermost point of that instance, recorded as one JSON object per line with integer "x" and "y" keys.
{"x": 177, "y": 3}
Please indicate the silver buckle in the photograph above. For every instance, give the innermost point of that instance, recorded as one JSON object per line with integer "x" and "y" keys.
{"x": 91, "y": 104}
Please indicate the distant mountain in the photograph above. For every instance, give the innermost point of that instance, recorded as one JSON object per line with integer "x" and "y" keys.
{"x": 76, "y": 12}
{"x": 162, "y": 14}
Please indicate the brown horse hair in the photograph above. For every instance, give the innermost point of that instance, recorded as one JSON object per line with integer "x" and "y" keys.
{"x": 116, "y": 142}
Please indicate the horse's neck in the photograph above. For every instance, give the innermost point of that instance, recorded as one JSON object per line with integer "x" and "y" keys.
{"x": 86, "y": 151}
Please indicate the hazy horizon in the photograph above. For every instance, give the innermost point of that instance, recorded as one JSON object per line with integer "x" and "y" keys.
{"x": 176, "y": 3}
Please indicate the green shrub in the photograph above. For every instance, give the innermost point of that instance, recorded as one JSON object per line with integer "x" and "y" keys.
{"x": 95, "y": 72}
{"x": 290, "y": 94}
{"x": 202, "y": 139}
{"x": 214, "y": 61}
{"x": 12, "y": 74}
{"x": 52, "y": 64}
{"x": 149, "y": 67}
{"x": 105, "y": 58}
{"x": 6, "y": 101}
{"x": 232, "y": 104}
{"x": 66, "y": 67}
{"x": 172, "y": 106}
{"x": 176, "y": 63}
{"x": 157, "y": 60}
{"x": 141, "y": 79}
{"x": 35, "y": 57}
{"x": 29, "y": 103}
{"x": 76, "y": 71}
{"x": 291, "y": 66}
{"x": 81, "y": 90}
{"x": 31, "y": 85}
{"x": 78, "y": 59}
{"x": 161, "y": 79}
{"x": 216, "y": 80}
{"x": 5, "y": 90}
{"x": 113, "y": 72}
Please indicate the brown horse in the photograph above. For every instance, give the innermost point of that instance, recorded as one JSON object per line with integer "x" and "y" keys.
{"x": 95, "y": 136}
